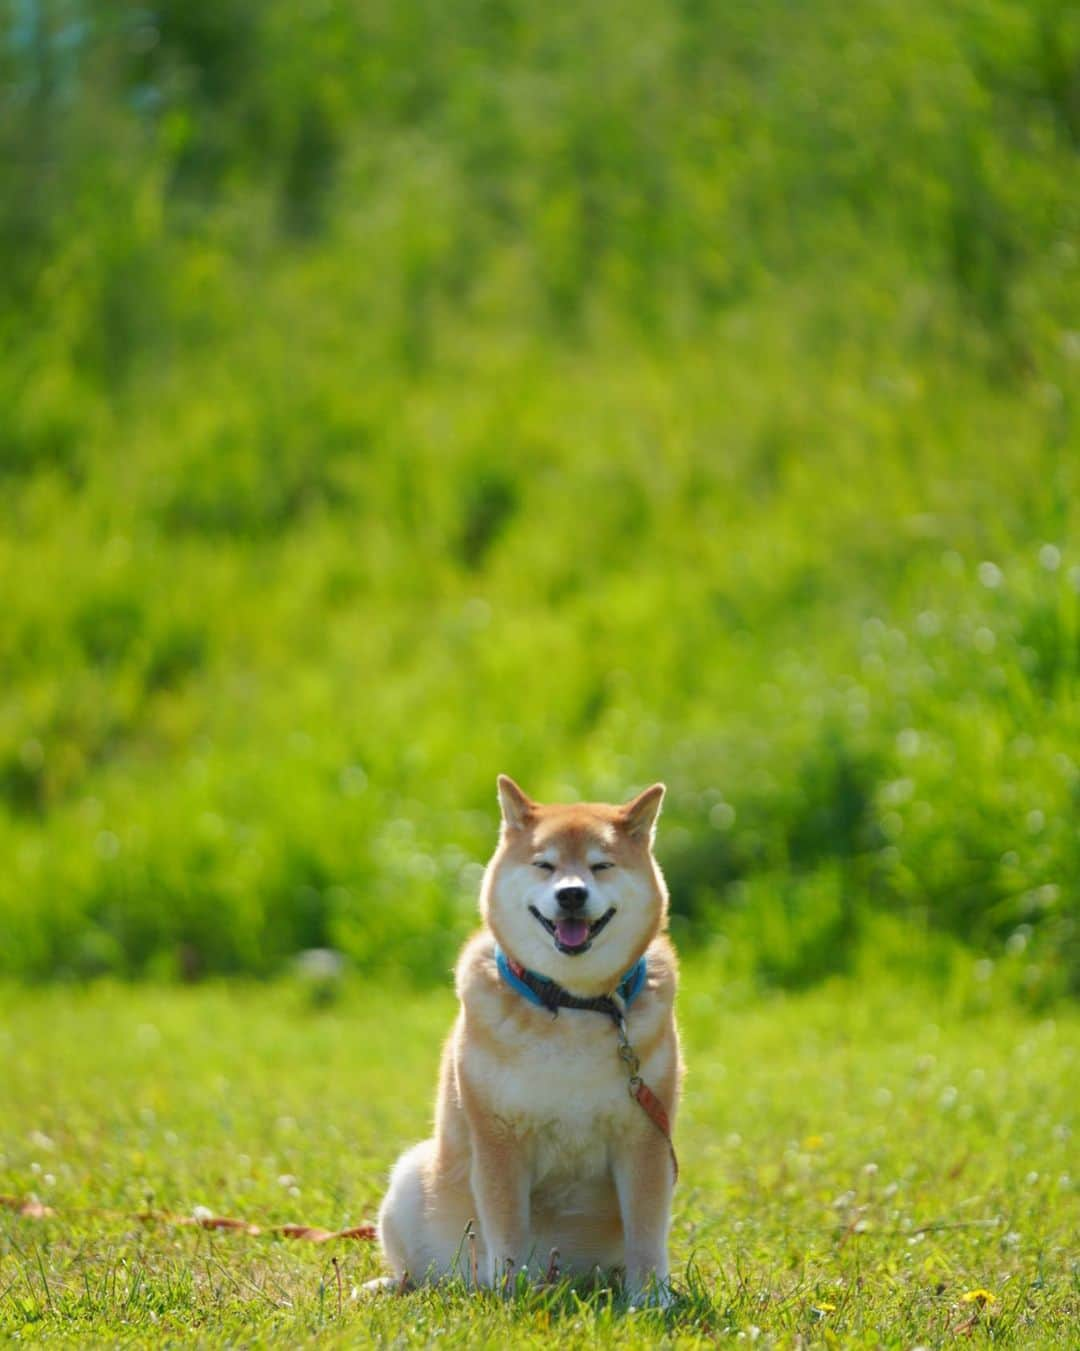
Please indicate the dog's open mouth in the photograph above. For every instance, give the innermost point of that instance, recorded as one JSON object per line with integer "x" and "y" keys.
{"x": 572, "y": 934}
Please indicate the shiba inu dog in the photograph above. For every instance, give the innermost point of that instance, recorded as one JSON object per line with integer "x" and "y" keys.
{"x": 560, "y": 1079}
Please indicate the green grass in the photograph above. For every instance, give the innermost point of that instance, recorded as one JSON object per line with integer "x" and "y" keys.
{"x": 855, "y": 1160}
{"x": 392, "y": 397}
{"x": 681, "y": 392}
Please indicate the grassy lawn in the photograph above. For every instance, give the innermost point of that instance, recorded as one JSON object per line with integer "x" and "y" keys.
{"x": 856, "y": 1162}
{"x": 393, "y": 394}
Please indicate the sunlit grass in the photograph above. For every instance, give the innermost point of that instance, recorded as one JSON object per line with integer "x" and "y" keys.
{"x": 872, "y": 1166}
{"x": 393, "y": 396}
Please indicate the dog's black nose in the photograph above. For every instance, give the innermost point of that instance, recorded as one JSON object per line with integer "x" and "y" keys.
{"x": 572, "y": 897}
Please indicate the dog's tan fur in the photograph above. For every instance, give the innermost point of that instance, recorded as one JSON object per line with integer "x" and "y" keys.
{"x": 537, "y": 1139}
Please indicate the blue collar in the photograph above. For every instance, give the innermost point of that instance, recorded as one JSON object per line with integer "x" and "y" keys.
{"x": 546, "y": 993}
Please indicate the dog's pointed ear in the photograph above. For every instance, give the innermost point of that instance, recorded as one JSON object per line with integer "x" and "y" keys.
{"x": 640, "y": 813}
{"x": 517, "y": 808}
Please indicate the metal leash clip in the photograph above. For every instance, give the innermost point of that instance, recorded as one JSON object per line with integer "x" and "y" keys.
{"x": 629, "y": 1057}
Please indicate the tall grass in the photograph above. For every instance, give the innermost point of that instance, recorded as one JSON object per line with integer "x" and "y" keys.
{"x": 394, "y": 397}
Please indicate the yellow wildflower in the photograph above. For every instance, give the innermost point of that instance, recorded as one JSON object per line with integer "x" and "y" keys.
{"x": 983, "y": 1297}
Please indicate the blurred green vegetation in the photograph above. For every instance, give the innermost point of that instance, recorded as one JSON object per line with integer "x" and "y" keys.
{"x": 392, "y": 395}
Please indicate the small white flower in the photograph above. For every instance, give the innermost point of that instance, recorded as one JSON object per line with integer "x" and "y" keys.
{"x": 107, "y": 845}
{"x": 990, "y": 575}
{"x": 722, "y": 816}
{"x": 1050, "y": 557}
{"x": 353, "y": 780}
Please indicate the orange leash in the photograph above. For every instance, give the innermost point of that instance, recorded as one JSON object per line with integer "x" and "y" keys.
{"x": 30, "y": 1208}
{"x": 643, "y": 1095}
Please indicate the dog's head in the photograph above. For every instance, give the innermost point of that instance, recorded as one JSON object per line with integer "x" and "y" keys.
{"x": 573, "y": 892}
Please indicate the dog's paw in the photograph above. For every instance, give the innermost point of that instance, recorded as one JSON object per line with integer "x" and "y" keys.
{"x": 386, "y": 1285}
{"x": 653, "y": 1294}
{"x": 381, "y": 1285}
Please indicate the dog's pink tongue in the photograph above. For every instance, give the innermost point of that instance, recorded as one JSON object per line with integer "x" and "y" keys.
{"x": 571, "y": 933}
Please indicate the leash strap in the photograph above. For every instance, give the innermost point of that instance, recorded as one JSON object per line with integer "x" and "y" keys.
{"x": 30, "y": 1208}
{"x": 643, "y": 1095}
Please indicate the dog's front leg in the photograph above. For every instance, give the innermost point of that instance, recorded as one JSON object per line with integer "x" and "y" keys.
{"x": 500, "y": 1188}
{"x": 644, "y": 1181}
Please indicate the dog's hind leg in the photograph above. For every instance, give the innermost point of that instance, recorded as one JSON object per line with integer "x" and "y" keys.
{"x": 423, "y": 1219}
{"x": 402, "y": 1222}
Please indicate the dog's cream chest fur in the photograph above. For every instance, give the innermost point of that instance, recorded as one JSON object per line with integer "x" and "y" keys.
{"x": 557, "y": 1084}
